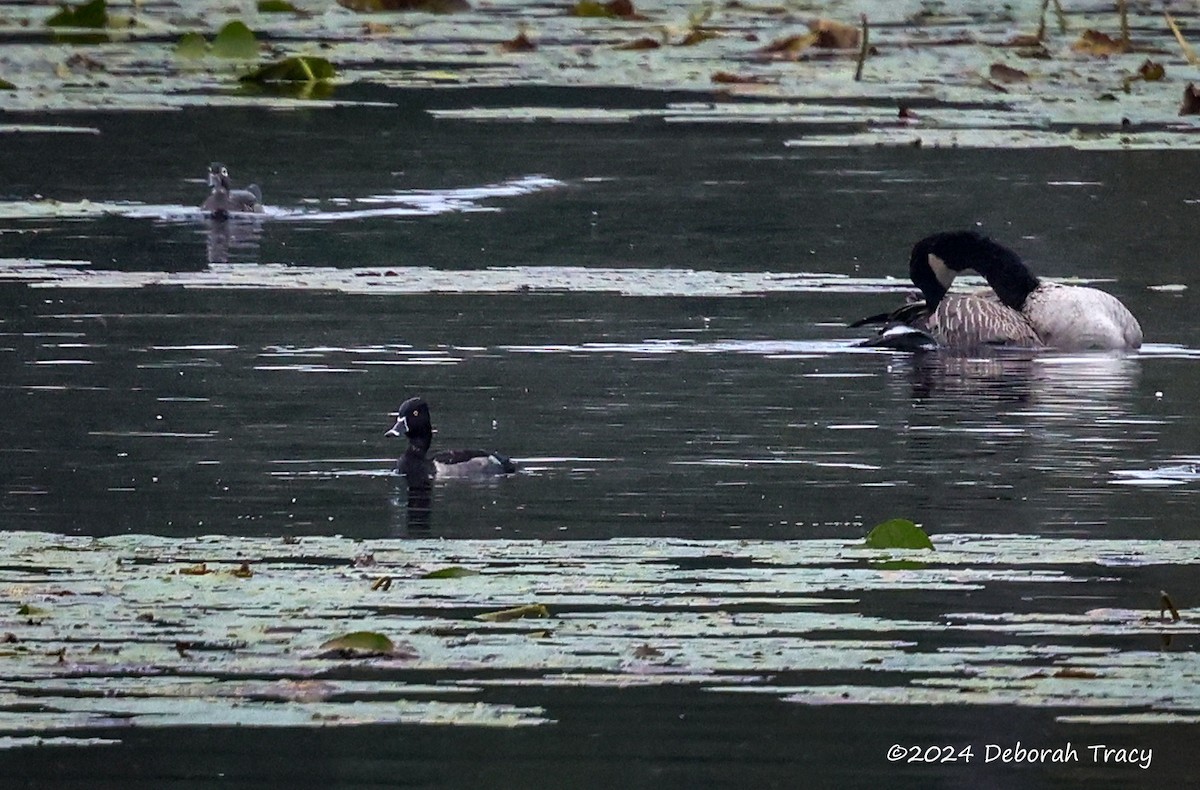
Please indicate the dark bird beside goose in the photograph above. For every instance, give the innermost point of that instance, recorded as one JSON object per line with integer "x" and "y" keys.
{"x": 413, "y": 421}
{"x": 224, "y": 200}
{"x": 1070, "y": 317}
{"x": 955, "y": 321}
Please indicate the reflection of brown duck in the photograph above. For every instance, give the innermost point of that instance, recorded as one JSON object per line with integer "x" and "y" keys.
{"x": 225, "y": 200}
{"x": 1064, "y": 316}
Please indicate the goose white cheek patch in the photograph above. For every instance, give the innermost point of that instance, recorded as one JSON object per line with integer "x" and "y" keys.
{"x": 944, "y": 273}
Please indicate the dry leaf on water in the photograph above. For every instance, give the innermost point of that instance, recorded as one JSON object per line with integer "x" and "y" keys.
{"x": 1093, "y": 42}
{"x": 1006, "y": 74}
{"x": 645, "y": 42}
{"x": 790, "y": 46}
{"x": 519, "y": 44}
{"x": 835, "y": 35}
{"x": 428, "y": 6}
{"x": 1151, "y": 71}
{"x": 729, "y": 78}
{"x": 698, "y": 36}
{"x": 613, "y": 9}
{"x": 1191, "y": 101}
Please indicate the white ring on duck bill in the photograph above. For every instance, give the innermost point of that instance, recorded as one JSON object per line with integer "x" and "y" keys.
{"x": 394, "y": 430}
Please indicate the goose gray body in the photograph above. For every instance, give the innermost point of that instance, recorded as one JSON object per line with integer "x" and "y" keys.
{"x": 1070, "y": 317}
{"x": 1080, "y": 318}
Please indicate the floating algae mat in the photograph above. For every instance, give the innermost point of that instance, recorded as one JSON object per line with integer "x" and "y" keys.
{"x": 325, "y": 631}
{"x": 905, "y": 73}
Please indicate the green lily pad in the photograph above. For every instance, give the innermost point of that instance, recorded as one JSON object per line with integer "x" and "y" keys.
{"x": 191, "y": 47}
{"x": 235, "y": 41}
{"x": 276, "y": 7}
{"x": 504, "y": 615}
{"x": 93, "y": 14}
{"x": 296, "y": 69}
{"x": 898, "y": 533}
{"x": 452, "y": 572}
{"x": 367, "y": 643}
{"x": 5, "y": 85}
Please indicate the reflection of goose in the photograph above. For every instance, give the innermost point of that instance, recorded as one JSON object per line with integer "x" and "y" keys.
{"x": 1064, "y": 316}
{"x": 414, "y": 422}
{"x": 224, "y": 199}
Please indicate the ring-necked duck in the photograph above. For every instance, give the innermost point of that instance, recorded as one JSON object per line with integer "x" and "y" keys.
{"x": 224, "y": 199}
{"x": 413, "y": 422}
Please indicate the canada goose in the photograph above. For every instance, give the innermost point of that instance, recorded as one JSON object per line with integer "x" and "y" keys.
{"x": 413, "y": 421}
{"x": 224, "y": 199}
{"x": 960, "y": 321}
{"x": 1069, "y": 317}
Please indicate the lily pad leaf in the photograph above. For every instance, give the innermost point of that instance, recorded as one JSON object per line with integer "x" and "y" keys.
{"x": 504, "y": 615}
{"x": 369, "y": 643}
{"x": 235, "y": 41}
{"x": 898, "y": 533}
{"x": 5, "y": 85}
{"x": 276, "y": 7}
{"x": 191, "y": 47}
{"x": 297, "y": 69}
{"x": 451, "y": 572}
{"x": 93, "y": 14}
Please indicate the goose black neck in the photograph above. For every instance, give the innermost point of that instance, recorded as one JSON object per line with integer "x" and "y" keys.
{"x": 1004, "y": 271}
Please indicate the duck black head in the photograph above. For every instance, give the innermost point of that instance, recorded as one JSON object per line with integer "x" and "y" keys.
{"x": 412, "y": 420}
{"x": 218, "y": 176}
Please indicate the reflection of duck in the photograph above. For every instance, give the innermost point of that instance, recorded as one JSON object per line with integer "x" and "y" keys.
{"x": 1064, "y": 316}
{"x": 414, "y": 422}
{"x": 224, "y": 199}
{"x": 944, "y": 320}
{"x": 233, "y": 241}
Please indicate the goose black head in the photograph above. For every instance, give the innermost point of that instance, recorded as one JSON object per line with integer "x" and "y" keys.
{"x": 929, "y": 266}
{"x": 944, "y": 255}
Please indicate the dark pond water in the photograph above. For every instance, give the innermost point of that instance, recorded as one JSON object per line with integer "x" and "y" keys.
{"x": 184, "y": 379}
